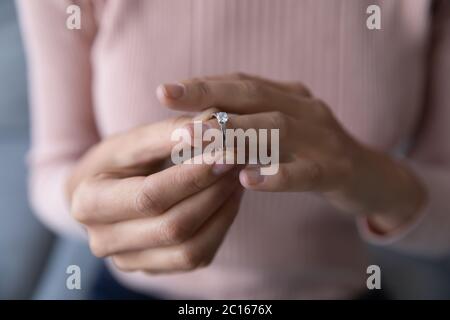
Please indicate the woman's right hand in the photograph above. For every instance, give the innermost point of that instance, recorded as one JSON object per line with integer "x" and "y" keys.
{"x": 148, "y": 218}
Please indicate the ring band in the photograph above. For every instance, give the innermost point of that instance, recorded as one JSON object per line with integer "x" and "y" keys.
{"x": 222, "y": 119}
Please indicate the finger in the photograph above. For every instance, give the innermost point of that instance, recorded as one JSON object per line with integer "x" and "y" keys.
{"x": 198, "y": 251}
{"x": 299, "y": 175}
{"x": 291, "y": 135}
{"x": 145, "y": 144}
{"x": 177, "y": 225}
{"x": 205, "y": 115}
{"x": 264, "y": 120}
{"x": 107, "y": 200}
{"x": 247, "y": 139}
{"x": 294, "y": 87}
{"x": 239, "y": 97}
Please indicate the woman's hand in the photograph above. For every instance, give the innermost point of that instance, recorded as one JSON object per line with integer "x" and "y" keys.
{"x": 148, "y": 218}
{"x": 317, "y": 154}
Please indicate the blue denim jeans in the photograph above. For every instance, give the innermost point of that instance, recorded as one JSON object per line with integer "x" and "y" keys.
{"x": 106, "y": 287}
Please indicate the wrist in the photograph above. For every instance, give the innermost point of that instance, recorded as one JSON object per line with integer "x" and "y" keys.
{"x": 380, "y": 188}
{"x": 398, "y": 195}
{"x": 412, "y": 198}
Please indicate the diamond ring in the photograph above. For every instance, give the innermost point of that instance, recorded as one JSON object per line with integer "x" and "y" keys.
{"x": 222, "y": 119}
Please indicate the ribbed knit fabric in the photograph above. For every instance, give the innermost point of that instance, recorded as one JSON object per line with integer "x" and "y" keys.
{"x": 91, "y": 83}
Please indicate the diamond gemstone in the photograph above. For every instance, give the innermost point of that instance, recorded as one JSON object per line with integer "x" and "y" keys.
{"x": 222, "y": 117}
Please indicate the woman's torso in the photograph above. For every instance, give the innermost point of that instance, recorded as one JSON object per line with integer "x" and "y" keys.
{"x": 280, "y": 245}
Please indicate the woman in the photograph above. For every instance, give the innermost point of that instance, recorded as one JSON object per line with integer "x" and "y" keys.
{"x": 363, "y": 119}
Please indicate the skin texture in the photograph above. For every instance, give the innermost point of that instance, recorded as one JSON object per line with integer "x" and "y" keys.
{"x": 154, "y": 218}
{"x": 148, "y": 217}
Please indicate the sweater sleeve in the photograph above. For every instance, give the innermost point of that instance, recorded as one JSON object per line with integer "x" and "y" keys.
{"x": 62, "y": 120}
{"x": 429, "y": 234}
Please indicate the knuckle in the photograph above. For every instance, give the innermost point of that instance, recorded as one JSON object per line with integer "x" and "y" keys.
{"x": 301, "y": 89}
{"x": 239, "y": 76}
{"x": 192, "y": 180}
{"x": 298, "y": 85}
{"x": 197, "y": 183}
{"x": 196, "y": 79}
{"x": 321, "y": 110}
{"x": 189, "y": 259}
{"x": 173, "y": 233}
{"x": 84, "y": 202}
{"x": 147, "y": 202}
{"x": 283, "y": 177}
{"x": 204, "y": 90}
{"x": 205, "y": 96}
{"x": 314, "y": 173}
{"x": 252, "y": 89}
{"x": 76, "y": 208}
{"x": 207, "y": 261}
{"x": 97, "y": 247}
{"x": 279, "y": 120}
{"x": 307, "y": 92}
{"x": 333, "y": 141}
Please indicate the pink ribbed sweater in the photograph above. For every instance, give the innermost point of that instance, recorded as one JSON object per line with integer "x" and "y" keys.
{"x": 382, "y": 85}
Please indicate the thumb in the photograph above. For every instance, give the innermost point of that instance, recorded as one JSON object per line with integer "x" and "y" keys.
{"x": 147, "y": 145}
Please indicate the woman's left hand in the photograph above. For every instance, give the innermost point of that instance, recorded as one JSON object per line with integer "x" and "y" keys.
{"x": 316, "y": 152}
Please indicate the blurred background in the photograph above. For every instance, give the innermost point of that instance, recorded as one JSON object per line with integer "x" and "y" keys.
{"x": 33, "y": 261}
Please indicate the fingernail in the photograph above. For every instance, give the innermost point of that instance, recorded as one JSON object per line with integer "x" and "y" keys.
{"x": 253, "y": 176}
{"x": 174, "y": 90}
